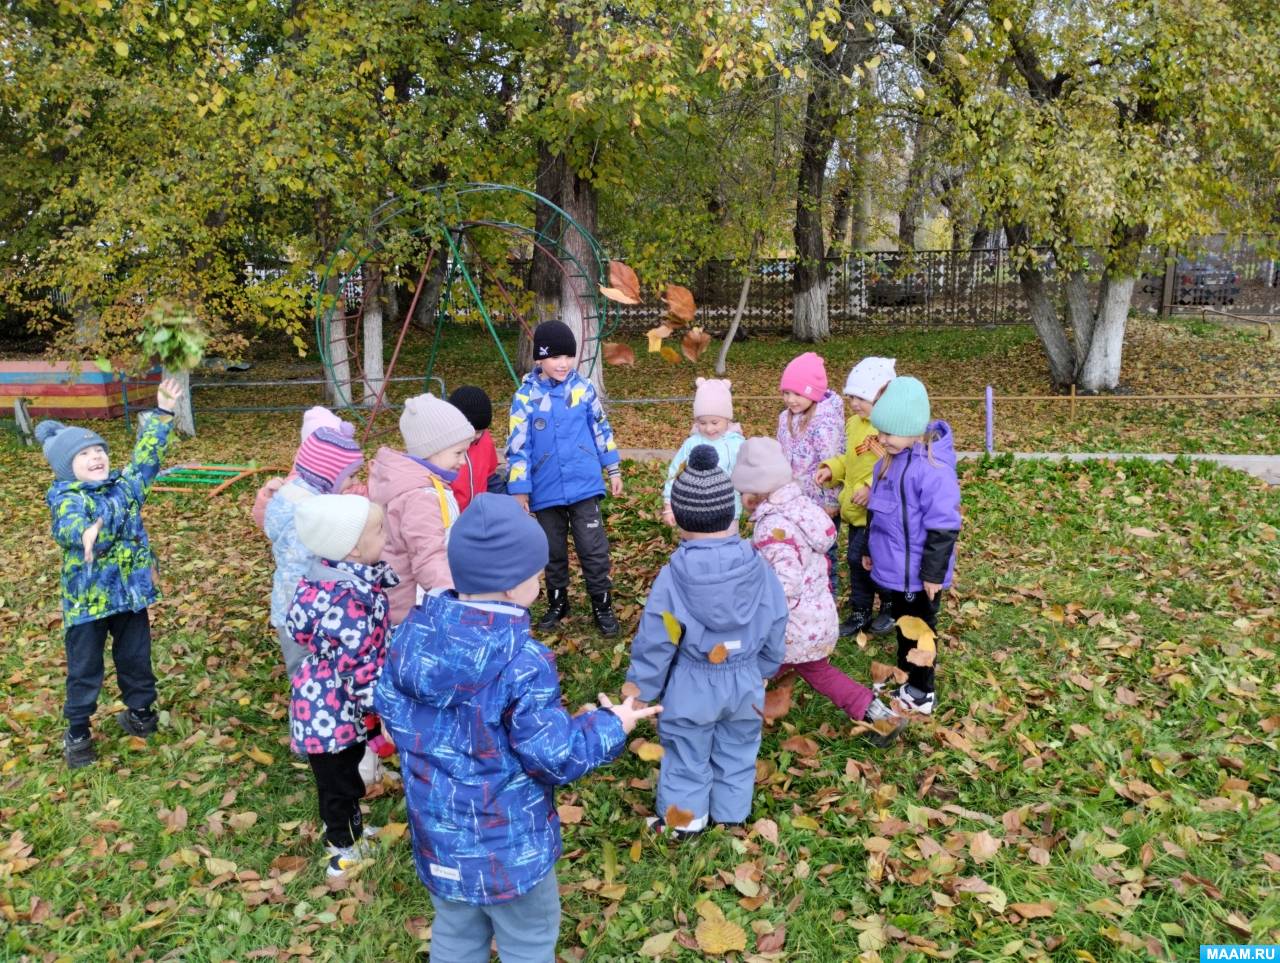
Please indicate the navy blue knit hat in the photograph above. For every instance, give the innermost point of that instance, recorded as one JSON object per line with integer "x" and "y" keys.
{"x": 475, "y": 404}
{"x": 62, "y": 443}
{"x": 495, "y": 545}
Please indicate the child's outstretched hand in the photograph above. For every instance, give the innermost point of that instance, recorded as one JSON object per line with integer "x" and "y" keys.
{"x": 168, "y": 394}
{"x": 88, "y": 538}
{"x": 822, "y": 475}
{"x": 627, "y": 713}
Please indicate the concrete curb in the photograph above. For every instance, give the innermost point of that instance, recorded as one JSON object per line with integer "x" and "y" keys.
{"x": 1265, "y": 467}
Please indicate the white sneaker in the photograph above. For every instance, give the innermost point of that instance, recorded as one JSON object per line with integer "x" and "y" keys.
{"x": 916, "y": 700}
{"x": 881, "y": 734}
{"x": 343, "y": 858}
{"x": 370, "y": 768}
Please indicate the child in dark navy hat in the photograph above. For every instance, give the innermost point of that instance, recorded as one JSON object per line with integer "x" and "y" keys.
{"x": 473, "y": 704}
{"x": 107, "y": 566}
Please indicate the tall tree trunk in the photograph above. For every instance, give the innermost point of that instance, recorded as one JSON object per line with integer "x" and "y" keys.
{"x": 810, "y": 321}
{"x": 184, "y": 418}
{"x": 841, "y": 216}
{"x": 1044, "y": 312}
{"x": 1101, "y": 368}
{"x": 544, "y": 275}
{"x": 338, "y": 375}
{"x": 913, "y": 194}
{"x": 371, "y": 322}
{"x": 1080, "y": 313}
{"x": 424, "y": 313}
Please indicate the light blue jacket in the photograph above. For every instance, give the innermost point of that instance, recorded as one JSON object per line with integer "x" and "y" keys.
{"x": 559, "y": 439}
{"x": 293, "y": 559}
{"x": 726, "y": 447}
{"x": 714, "y": 592}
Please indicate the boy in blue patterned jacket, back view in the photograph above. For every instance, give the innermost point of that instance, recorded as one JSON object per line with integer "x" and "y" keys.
{"x": 559, "y": 439}
{"x": 473, "y": 704}
{"x": 107, "y": 581}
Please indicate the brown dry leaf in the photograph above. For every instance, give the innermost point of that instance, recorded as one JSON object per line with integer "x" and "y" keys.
{"x": 289, "y": 864}
{"x": 881, "y": 672}
{"x": 658, "y": 944}
{"x": 777, "y": 703}
{"x": 680, "y": 303}
{"x": 217, "y": 867}
{"x": 916, "y": 629}
{"x": 616, "y": 352}
{"x": 669, "y": 354}
{"x": 766, "y": 829}
{"x": 258, "y": 756}
{"x": 677, "y": 818}
{"x": 570, "y": 815}
{"x": 624, "y": 286}
{"x": 1141, "y": 532}
{"x": 242, "y": 821}
{"x": 801, "y": 746}
{"x": 175, "y": 820}
{"x": 983, "y": 846}
{"x": 655, "y": 336}
{"x": 772, "y": 942}
{"x": 630, "y": 690}
{"x": 1038, "y": 855}
{"x": 922, "y": 654}
{"x": 716, "y": 937}
{"x": 694, "y": 344}
{"x": 1031, "y": 911}
{"x": 718, "y": 654}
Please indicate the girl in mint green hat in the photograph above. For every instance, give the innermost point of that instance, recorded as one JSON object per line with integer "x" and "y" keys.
{"x": 914, "y": 522}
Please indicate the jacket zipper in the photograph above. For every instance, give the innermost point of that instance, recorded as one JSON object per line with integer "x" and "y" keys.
{"x": 906, "y": 528}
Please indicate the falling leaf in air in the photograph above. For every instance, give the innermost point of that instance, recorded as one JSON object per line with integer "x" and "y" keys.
{"x": 680, "y": 303}
{"x": 669, "y": 354}
{"x": 718, "y": 654}
{"x": 655, "y": 336}
{"x": 694, "y": 344}
{"x": 624, "y": 286}
{"x": 916, "y": 629}
{"x": 675, "y": 631}
{"x": 617, "y": 353}
{"x": 677, "y": 818}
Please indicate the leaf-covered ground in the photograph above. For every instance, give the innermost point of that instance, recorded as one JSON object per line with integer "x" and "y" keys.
{"x": 1099, "y": 783}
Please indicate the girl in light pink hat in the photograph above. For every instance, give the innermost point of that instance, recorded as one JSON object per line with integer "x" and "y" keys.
{"x": 810, "y": 431}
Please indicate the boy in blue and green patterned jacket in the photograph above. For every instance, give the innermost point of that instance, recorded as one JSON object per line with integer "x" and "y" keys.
{"x": 106, "y": 568}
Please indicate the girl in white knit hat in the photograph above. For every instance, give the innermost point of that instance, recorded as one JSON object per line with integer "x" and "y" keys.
{"x": 414, "y": 486}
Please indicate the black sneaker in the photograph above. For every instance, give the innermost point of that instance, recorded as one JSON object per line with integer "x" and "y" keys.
{"x": 859, "y": 620}
{"x": 882, "y": 624}
{"x": 602, "y": 612}
{"x": 137, "y": 723}
{"x": 557, "y": 609}
{"x": 78, "y": 752}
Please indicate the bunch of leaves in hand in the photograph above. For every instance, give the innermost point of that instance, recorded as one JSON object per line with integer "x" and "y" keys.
{"x": 173, "y": 334}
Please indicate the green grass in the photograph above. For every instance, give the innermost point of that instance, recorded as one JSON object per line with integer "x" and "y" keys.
{"x": 1107, "y": 667}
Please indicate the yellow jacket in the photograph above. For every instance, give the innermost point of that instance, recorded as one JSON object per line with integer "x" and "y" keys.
{"x": 853, "y": 468}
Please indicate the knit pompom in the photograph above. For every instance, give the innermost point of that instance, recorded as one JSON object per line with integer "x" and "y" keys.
{"x": 703, "y": 458}
{"x": 47, "y": 429}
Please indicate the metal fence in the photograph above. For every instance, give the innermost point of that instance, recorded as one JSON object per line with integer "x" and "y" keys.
{"x": 966, "y": 287}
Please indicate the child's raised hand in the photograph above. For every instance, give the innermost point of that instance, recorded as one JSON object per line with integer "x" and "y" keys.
{"x": 615, "y": 484}
{"x": 88, "y": 538}
{"x": 628, "y": 714}
{"x": 169, "y": 393}
{"x": 861, "y": 495}
{"x": 822, "y": 475}
{"x": 668, "y": 516}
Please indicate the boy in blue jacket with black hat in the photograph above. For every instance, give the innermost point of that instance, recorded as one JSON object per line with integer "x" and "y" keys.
{"x": 473, "y": 704}
{"x": 559, "y": 440}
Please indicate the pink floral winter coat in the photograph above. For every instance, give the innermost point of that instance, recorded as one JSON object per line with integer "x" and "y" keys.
{"x": 793, "y": 534}
{"x": 822, "y": 438}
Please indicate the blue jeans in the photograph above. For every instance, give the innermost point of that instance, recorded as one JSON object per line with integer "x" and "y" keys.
{"x": 130, "y": 651}
{"x": 526, "y": 927}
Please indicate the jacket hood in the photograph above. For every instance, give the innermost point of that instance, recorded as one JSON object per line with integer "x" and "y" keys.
{"x": 447, "y": 649}
{"x": 722, "y": 579}
{"x": 392, "y": 473}
{"x": 809, "y": 521}
{"x": 944, "y": 448}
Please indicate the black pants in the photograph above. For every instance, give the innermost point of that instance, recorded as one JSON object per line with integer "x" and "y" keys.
{"x": 130, "y": 651}
{"x": 340, "y": 788}
{"x": 862, "y": 591}
{"x": 917, "y": 604}
{"x": 586, "y": 523}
